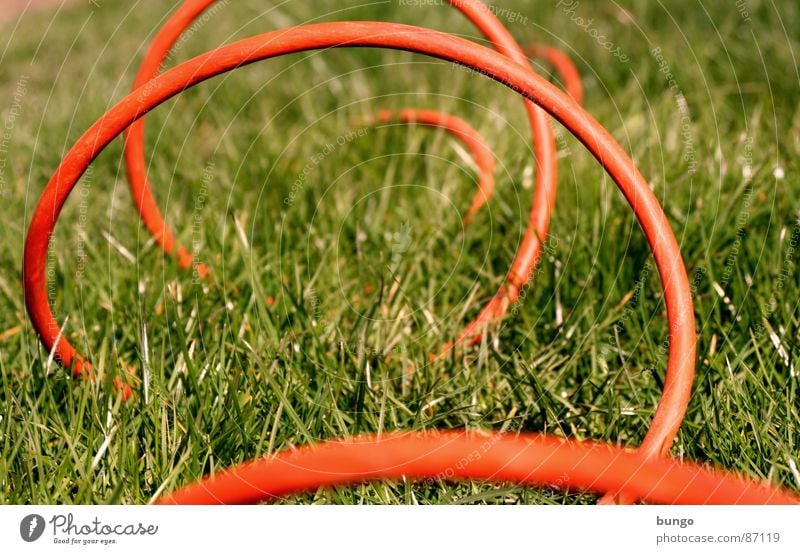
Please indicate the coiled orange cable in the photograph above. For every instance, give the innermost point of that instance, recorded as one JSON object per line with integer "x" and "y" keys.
{"x": 535, "y": 460}
{"x": 514, "y": 75}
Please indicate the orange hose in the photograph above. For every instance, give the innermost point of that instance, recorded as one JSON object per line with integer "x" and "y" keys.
{"x": 134, "y": 136}
{"x": 386, "y": 35}
{"x": 535, "y": 460}
{"x": 544, "y": 195}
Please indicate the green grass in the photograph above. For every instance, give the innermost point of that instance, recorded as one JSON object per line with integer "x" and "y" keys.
{"x": 231, "y": 377}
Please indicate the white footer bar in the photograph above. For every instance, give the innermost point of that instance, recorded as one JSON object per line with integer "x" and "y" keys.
{"x": 401, "y": 529}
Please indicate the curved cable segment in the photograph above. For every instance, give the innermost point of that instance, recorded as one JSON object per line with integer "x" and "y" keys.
{"x": 535, "y": 460}
{"x": 481, "y": 154}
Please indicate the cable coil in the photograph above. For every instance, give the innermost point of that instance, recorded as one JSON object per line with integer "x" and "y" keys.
{"x": 623, "y": 476}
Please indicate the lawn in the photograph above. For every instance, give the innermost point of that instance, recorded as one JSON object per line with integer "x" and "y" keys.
{"x": 338, "y": 254}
